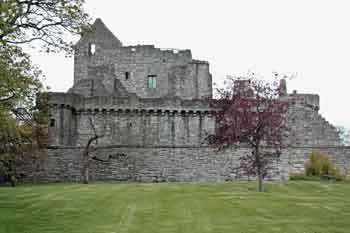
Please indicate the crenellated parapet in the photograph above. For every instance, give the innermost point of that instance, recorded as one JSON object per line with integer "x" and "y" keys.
{"x": 146, "y": 112}
{"x": 167, "y": 121}
{"x": 114, "y": 103}
{"x": 309, "y": 100}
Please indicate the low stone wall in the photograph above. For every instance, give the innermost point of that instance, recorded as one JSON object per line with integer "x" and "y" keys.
{"x": 157, "y": 164}
{"x": 144, "y": 164}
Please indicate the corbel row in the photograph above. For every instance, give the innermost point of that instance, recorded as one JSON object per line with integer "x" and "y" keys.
{"x": 147, "y": 112}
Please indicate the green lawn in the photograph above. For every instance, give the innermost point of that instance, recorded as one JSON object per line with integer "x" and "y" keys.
{"x": 300, "y": 207}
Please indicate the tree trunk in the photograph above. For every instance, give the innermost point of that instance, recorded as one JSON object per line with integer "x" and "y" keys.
{"x": 86, "y": 157}
{"x": 13, "y": 180}
{"x": 86, "y": 175}
{"x": 259, "y": 169}
{"x": 85, "y": 167}
{"x": 261, "y": 182}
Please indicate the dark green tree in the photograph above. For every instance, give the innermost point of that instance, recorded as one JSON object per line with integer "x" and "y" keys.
{"x": 47, "y": 22}
{"x": 44, "y": 25}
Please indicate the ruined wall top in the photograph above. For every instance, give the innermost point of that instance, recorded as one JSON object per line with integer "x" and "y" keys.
{"x": 149, "y": 72}
{"x": 311, "y": 101}
{"x": 99, "y": 32}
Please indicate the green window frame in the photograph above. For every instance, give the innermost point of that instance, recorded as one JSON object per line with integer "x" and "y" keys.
{"x": 152, "y": 81}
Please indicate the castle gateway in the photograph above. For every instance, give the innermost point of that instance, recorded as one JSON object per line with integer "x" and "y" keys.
{"x": 150, "y": 105}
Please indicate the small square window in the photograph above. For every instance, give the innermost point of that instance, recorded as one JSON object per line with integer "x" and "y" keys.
{"x": 52, "y": 122}
{"x": 152, "y": 81}
{"x": 92, "y": 49}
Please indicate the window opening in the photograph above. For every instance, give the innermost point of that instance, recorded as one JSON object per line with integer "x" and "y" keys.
{"x": 52, "y": 122}
{"x": 152, "y": 81}
{"x": 92, "y": 49}
{"x": 127, "y": 75}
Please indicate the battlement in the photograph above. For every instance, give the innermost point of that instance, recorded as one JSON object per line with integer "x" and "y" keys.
{"x": 77, "y": 102}
{"x": 309, "y": 100}
{"x": 164, "y": 55}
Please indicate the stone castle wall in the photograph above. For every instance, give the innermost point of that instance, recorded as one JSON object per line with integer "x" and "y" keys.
{"x": 309, "y": 128}
{"x": 129, "y": 122}
{"x": 158, "y": 134}
{"x": 157, "y": 164}
{"x": 164, "y": 122}
{"x": 165, "y": 145}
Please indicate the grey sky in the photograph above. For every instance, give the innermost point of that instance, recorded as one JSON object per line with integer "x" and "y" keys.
{"x": 311, "y": 38}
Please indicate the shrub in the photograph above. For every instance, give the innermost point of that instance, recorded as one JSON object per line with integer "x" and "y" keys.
{"x": 320, "y": 165}
{"x": 317, "y": 165}
{"x": 337, "y": 173}
{"x": 302, "y": 176}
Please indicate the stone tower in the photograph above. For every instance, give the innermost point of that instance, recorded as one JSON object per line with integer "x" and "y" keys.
{"x": 103, "y": 66}
{"x": 156, "y": 96}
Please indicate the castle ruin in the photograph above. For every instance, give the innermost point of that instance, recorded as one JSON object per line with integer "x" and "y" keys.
{"x": 150, "y": 103}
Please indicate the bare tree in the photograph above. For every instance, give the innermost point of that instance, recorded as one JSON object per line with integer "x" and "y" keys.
{"x": 88, "y": 153}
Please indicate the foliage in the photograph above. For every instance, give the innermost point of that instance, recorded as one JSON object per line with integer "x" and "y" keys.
{"x": 196, "y": 207}
{"x": 344, "y": 135}
{"x": 19, "y": 79}
{"x": 23, "y": 106}
{"x": 22, "y": 117}
{"x": 319, "y": 165}
{"x": 45, "y": 21}
{"x": 249, "y": 112}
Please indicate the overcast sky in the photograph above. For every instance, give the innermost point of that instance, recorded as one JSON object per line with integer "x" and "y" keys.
{"x": 310, "y": 38}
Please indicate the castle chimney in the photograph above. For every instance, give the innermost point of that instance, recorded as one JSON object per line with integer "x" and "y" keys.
{"x": 282, "y": 90}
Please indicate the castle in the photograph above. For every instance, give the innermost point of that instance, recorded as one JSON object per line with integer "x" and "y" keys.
{"x": 150, "y": 105}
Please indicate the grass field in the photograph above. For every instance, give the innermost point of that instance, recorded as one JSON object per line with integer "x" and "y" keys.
{"x": 298, "y": 207}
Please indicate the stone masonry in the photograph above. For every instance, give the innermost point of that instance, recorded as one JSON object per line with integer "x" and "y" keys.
{"x": 151, "y": 105}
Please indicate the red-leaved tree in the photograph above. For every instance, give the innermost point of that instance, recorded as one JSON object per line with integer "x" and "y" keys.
{"x": 250, "y": 112}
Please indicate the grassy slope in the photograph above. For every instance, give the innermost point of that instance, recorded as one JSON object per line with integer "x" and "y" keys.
{"x": 303, "y": 207}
